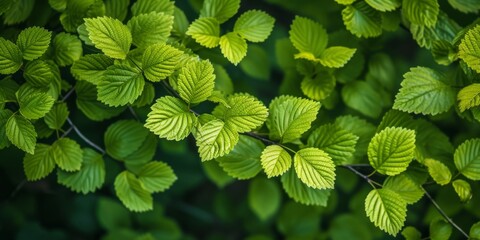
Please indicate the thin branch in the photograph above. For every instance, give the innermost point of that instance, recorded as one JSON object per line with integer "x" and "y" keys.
{"x": 359, "y": 165}
{"x": 170, "y": 89}
{"x": 85, "y": 139}
{"x": 132, "y": 111}
{"x": 365, "y": 177}
{"x": 67, "y": 132}
{"x": 67, "y": 95}
{"x": 440, "y": 210}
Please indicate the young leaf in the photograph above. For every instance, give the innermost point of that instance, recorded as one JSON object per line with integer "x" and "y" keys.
{"x": 123, "y": 138}
{"x": 233, "y": 47}
{"x": 469, "y": 49}
{"x": 67, "y": 49}
{"x": 421, "y": 12}
{"x": 38, "y": 73}
{"x": 121, "y": 84}
{"x": 10, "y": 57}
{"x": 196, "y": 81}
{"x": 21, "y": 133}
{"x": 67, "y": 154}
{"x": 386, "y": 209}
{"x": 315, "y": 168}
{"x": 362, "y": 20}
{"x": 384, "y": 5}
{"x": 264, "y": 198}
{"x": 171, "y": 118}
{"x": 131, "y": 192}
{"x": 39, "y": 163}
{"x": 469, "y": 97}
{"x": 467, "y": 159}
{"x": 222, "y": 10}
{"x": 34, "y": 105}
{"x": 57, "y": 116}
{"x": 336, "y": 57}
{"x": 254, "y": 25}
{"x": 440, "y": 230}
{"x": 91, "y": 67}
{"x": 89, "y": 178}
{"x": 148, "y": 6}
{"x": 391, "y": 150}
{"x": 205, "y": 31}
{"x": 319, "y": 87}
{"x": 402, "y": 184}
{"x": 308, "y": 36}
{"x": 148, "y": 29}
{"x": 215, "y": 139}
{"x": 33, "y": 42}
{"x": 156, "y": 176}
{"x": 159, "y": 61}
{"x": 438, "y": 171}
{"x": 110, "y": 36}
{"x": 463, "y": 189}
{"x": 301, "y": 193}
{"x": 275, "y": 160}
{"x": 424, "y": 92}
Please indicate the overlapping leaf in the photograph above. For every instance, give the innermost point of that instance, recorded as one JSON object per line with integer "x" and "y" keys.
{"x": 222, "y": 10}
{"x": 67, "y": 154}
{"x": 33, "y": 42}
{"x": 91, "y": 67}
{"x": 254, "y": 25}
{"x": 463, "y": 189}
{"x": 10, "y": 57}
{"x": 148, "y": 6}
{"x": 243, "y": 162}
{"x": 233, "y": 47}
{"x": 469, "y": 48}
{"x": 39, "y": 163}
{"x": 386, "y": 209}
{"x": 308, "y": 36}
{"x": 362, "y": 20}
{"x": 301, "y": 193}
{"x": 408, "y": 189}
{"x": 469, "y": 97}
{"x": 156, "y": 176}
{"x": 215, "y": 139}
{"x": 467, "y": 159}
{"x": 315, "y": 168}
{"x": 159, "y": 61}
{"x": 110, "y": 36}
{"x": 421, "y": 12}
{"x": 121, "y": 84}
{"x": 205, "y": 31}
{"x": 132, "y": 193}
{"x": 123, "y": 138}
{"x": 151, "y": 28}
{"x": 275, "y": 160}
{"x": 196, "y": 81}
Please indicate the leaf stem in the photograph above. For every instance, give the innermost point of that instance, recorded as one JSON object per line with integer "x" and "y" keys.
{"x": 85, "y": 139}
{"x": 365, "y": 177}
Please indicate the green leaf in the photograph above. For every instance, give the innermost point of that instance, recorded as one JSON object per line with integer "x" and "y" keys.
{"x": 148, "y": 94}
{"x": 301, "y": 193}
{"x": 170, "y": 118}
{"x": 362, "y": 20}
{"x": 21, "y": 133}
{"x": 144, "y": 153}
{"x": 391, "y": 150}
{"x": 256, "y": 63}
{"x": 117, "y": 8}
{"x": 338, "y": 143}
{"x": 440, "y": 230}
{"x": 308, "y": 36}
{"x": 243, "y": 162}
{"x": 424, "y": 92}
{"x": 10, "y": 57}
{"x": 423, "y": 13}
{"x": 110, "y": 36}
{"x": 160, "y": 61}
{"x": 39, "y": 163}
{"x": 89, "y": 178}
{"x": 233, "y": 47}
{"x": 386, "y": 209}
{"x": 411, "y": 233}
{"x": 67, "y": 49}
{"x": 180, "y": 23}
{"x": 320, "y": 87}
{"x": 363, "y": 97}
{"x": 438, "y": 171}
{"x": 57, "y": 116}
{"x": 345, "y": 2}
{"x": 38, "y": 73}
{"x": 196, "y": 81}
{"x": 467, "y": 159}
{"x": 58, "y": 5}
{"x": 121, "y": 84}
{"x": 123, "y": 138}
{"x": 254, "y": 25}
{"x": 402, "y": 184}
{"x": 463, "y": 189}
{"x": 205, "y": 31}
{"x": 148, "y": 6}
{"x": 264, "y": 198}
{"x": 148, "y": 29}
{"x": 87, "y": 103}
{"x": 215, "y": 139}
{"x": 336, "y": 57}
{"x": 67, "y": 154}
{"x": 290, "y": 117}
{"x": 132, "y": 193}
{"x": 469, "y": 97}
{"x": 33, "y": 42}
{"x": 315, "y": 168}
{"x": 384, "y": 5}
{"x": 466, "y": 6}
{"x": 18, "y": 11}
{"x": 475, "y": 231}
{"x": 445, "y": 29}
{"x": 5, "y": 114}
{"x": 156, "y": 176}
{"x": 469, "y": 49}
{"x": 275, "y": 161}
{"x": 91, "y": 67}
{"x": 8, "y": 88}
{"x": 222, "y": 10}
{"x": 34, "y": 105}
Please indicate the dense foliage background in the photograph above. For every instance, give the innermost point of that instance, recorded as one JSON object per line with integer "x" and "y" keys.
{"x": 205, "y": 202}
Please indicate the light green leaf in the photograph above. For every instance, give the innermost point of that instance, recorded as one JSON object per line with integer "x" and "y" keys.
{"x": 275, "y": 160}
{"x": 301, "y": 193}
{"x": 34, "y": 105}
{"x": 170, "y": 118}
{"x": 336, "y": 57}
{"x": 10, "y": 57}
{"x": 156, "y": 176}
{"x": 148, "y": 6}
{"x": 363, "y": 97}
{"x": 222, "y": 10}
{"x": 469, "y": 48}
{"x": 160, "y": 61}
{"x": 57, "y": 116}
{"x": 264, "y": 198}
{"x": 308, "y": 36}
{"x": 384, "y": 5}
{"x": 254, "y": 25}
{"x": 121, "y": 84}
{"x": 362, "y": 20}
{"x": 196, "y": 81}
{"x": 89, "y": 178}
{"x": 33, "y": 42}
{"x": 386, "y": 209}
{"x": 38, "y": 73}
{"x": 438, "y": 171}
{"x": 123, "y": 138}
{"x": 91, "y": 67}
{"x": 411, "y": 233}
{"x": 233, "y": 47}
{"x": 338, "y": 143}
{"x": 463, "y": 189}
{"x": 290, "y": 117}
{"x": 110, "y": 36}
{"x": 132, "y": 193}
{"x": 440, "y": 230}
{"x": 320, "y": 87}
{"x": 469, "y": 97}
{"x": 39, "y": 163}
{"x": 117, "y": 8}
{"x": 467, "y": 159}
{"x": 67, "y": 49}
{"x": 92, "y": 108}
{"x": 408, "y": 189}
{"x": 243, "y": 162}
{"x": 424, "y": 92}
{"x": 148, "y": 29}
{"x": 391, "y": 150}
{"x": 345, "y": 2}
{"x": 215, "y": 139}
{"x": 21, "y": 133}
{"x": 466, "y": 6}
{"x": 423, "y": 13}
{"x": 67, "y": 154}
{"x": 315, "y": 168}
{"x": 205, "y": 31}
